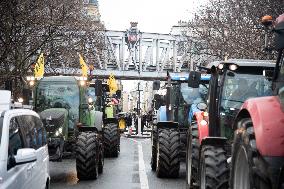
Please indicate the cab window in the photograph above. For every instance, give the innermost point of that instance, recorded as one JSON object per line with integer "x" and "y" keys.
{"x": 41, "y": 133}
{"x": 15, "y": 142}
{"x": 33, "y": 131}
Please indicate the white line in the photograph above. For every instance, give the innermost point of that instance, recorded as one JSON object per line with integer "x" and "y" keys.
{"x": 142, "y": 170}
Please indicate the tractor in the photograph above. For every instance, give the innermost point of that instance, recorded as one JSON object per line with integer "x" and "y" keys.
{"x": 210, "y": 134}
{"x": 108, "y": 104}
{"x": 258, "y": 145}
{"x": 69, "y": 110}
{"x": 169, "y": 129}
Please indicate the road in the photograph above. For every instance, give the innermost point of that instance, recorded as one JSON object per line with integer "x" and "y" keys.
{"x": 131, "y": 170}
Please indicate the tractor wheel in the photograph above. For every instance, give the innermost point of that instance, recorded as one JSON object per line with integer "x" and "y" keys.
{"x": 154, "y": 150}
{"x": 213, "y": 168}
{"x": 111, "y": 140}
{"x": 101, "y": 163}
{"x": 86, "y": 156}
{"x": 192, "y": 156}
{"x": 248, "y": 167}
{"x": 168, "y": 153}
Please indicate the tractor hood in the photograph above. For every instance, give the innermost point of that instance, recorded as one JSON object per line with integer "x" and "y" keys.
{"x": 54, "y": 118}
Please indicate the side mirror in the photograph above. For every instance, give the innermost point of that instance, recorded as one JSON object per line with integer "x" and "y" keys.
{"x": 99, "y": 88}
{"x": 156, "y": 85}
{"x": 194, "y": 79}
{"x": 158, "y": 101}
{"x": 201, "y": 106}
{"x": 25, "y": 155}
{"x": 118, "y": 93}
{"x": 168, "y": 97}
{"x": 281, "y": 97}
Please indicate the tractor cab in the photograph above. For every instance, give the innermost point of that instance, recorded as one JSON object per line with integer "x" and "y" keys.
{"x": 232, "y": 82}
{"x": 175, "y": 104}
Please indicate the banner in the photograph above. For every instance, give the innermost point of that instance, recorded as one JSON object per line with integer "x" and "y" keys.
{"x": 112, "y": 84}
{"x": 84, "y": 67}
{"x": 39, "y": 67}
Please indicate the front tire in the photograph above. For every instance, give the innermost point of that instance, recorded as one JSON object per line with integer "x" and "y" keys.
{"x": 87, "y": 156}
{"x": 192, "y": 156}
{"x": 168, "y": 152}
{"x": 248, "y": 167}
{"x": 111, "y": 138}
{"x": 213, "y": 168}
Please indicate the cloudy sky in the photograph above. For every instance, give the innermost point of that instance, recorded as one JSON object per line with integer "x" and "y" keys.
{"x": 152, "y": 15}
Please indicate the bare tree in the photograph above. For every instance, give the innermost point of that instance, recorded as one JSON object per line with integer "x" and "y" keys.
{"x": 231, "y": 28}
{"x": 58, "y": 28}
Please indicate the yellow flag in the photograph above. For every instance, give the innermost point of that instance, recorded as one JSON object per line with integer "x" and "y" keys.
{"x": 112, "y": 84}
{"x": 84, "y": 67}
{"x": 39, "y": 67}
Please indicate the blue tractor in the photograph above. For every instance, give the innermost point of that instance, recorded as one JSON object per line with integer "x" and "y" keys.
{"x": 174, "y": 111}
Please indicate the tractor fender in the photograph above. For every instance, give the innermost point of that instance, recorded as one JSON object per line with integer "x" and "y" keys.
{"x": 268, "y": 123}
{"x": 203, "y": 128}
{"x": 98, "y": 120}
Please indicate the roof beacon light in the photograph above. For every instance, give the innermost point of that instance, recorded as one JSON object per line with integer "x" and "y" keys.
{"x": 267, "y": 20}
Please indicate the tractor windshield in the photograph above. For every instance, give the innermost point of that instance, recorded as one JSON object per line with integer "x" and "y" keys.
{"x": 58, "y": 95}
{"x": 194, "y": 95}
{"x": 240, "y": 87}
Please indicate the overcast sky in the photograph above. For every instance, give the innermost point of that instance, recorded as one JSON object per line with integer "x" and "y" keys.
{"x": 156, "y": 16}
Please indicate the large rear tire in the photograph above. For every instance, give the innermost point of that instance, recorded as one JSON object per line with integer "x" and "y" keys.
{"x": 86, "y": 156}
{"x": 111, "y": 138}
{"x": 168, "y": 152}
{"x": 192, "y": 156}
{"x": 248, "y": 167}
{"x": 213, "y": 168}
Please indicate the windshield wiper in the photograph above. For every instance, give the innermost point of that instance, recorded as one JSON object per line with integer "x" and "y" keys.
{"x": 233, "y": 100}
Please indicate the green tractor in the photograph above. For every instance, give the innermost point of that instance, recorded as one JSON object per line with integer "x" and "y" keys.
{"x": 73, "y": 120}
{"x": 108, "y": 105}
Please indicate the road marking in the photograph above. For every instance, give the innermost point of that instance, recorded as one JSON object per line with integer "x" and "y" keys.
{"x": 142, "y": 170}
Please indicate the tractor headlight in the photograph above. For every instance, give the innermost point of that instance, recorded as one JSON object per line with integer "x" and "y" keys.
{"x": 58, "y": 132}
{"x": 220, "y": 66}
{"x": 90, "y": 100}
{"x": 32, "y": 83}
{"x": 203, "y": 122}
{"x": 82, "y": 83}
{"x": 233, "y": 67}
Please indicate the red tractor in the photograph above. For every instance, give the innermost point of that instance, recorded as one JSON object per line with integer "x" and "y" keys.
{"x": 210, "y": 135}
{"x": 258, "y": 146}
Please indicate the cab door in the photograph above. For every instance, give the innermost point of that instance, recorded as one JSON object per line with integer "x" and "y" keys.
{"x": 30, "y": 136}
{"x": 17, "y": 176}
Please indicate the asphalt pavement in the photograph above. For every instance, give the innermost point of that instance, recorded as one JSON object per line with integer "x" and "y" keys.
{"x": 131, "y": 170}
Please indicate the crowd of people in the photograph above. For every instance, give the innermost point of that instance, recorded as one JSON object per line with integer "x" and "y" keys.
{"x": 131, "y": 118}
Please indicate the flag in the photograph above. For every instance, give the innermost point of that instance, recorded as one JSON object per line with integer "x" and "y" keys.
{"x": 112, "y": 84}
{"x": 39, "y": 67}
{"x": 84, "y": 67}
